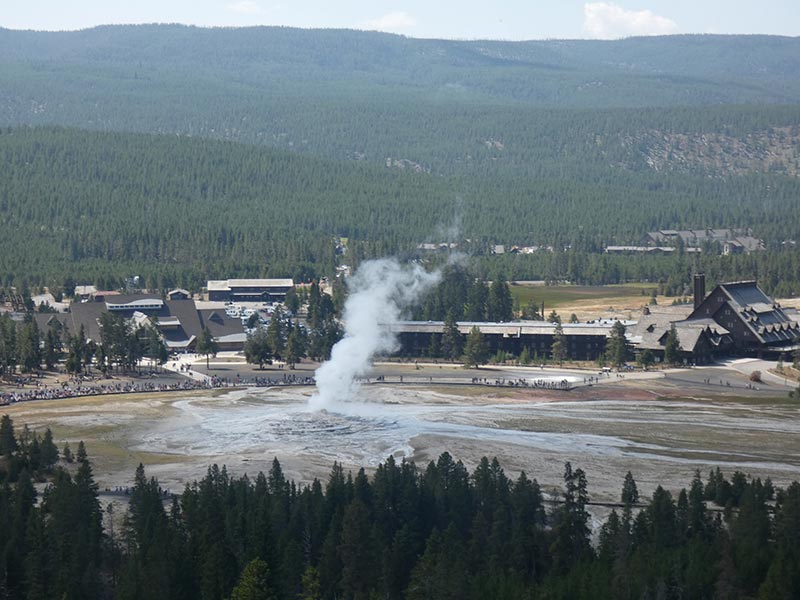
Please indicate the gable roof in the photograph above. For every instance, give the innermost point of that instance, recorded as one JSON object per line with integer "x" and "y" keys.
{"x": 766, "y": 320}
{"x": 219, "y": 324}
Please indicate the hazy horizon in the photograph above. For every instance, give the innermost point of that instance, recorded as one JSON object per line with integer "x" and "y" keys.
{"x": 509, "y": 20}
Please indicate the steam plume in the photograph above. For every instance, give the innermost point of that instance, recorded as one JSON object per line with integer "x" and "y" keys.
{"x": 380, "y": 291}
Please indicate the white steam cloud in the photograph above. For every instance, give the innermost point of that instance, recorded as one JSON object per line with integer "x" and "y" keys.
{"x": 380, "y": 291}
{"x": 245, "y": 7}
{"x": 606, "y": 20}
{"x": 452, "y": 233}
{"x": 391, "y": 22}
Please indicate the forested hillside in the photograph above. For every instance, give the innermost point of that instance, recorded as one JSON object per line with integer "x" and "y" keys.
{"x": 676, "y": 70}
{"x": 389, "y": 141}
{"x": 444, "y": 105}
{"x": 177, "y": 211}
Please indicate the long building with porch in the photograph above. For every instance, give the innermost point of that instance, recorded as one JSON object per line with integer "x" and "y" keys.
{"x": 585, "y": 341}
{"x": 249, "y": 290}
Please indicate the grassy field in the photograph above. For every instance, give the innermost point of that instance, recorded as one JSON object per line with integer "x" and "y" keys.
{"x": 558, "y": 295}
{"x": 587, "y": 302}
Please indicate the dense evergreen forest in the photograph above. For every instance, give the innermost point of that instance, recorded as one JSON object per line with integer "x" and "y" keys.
{"x": 389, "y": 142}
{"x": 406, "y": 532}
{"x": 100, "y": 207}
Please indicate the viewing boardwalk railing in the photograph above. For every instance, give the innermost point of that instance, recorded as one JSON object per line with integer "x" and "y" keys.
{"x": 67, "y": 390}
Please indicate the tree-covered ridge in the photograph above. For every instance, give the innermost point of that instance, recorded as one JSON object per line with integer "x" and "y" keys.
{"x": 434, "y": 130}
{"x": 178, "y": 211}
{"x": 674, "y": 70}
{"x": 473, "y": 107}
{"x": 407, "y": 532}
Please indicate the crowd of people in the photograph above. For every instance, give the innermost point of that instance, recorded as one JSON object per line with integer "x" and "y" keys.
{"x": 69, "y": 389}
{"x": 542, "y": 384}
{"x": 287, "y": 379}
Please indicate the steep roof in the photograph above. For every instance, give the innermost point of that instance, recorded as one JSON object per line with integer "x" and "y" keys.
{"x": 219, "y": 324}
{"x": 766, "y": 320}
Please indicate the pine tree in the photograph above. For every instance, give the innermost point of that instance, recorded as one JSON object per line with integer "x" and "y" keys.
{"x": 616, "y": 347}
{"x": 50, "y": 349}
{"x": 29, "y": 347}
{"x": 276, "y": 334}
{"x": 357, "y": 553}
{"x": 531, "y": 311}
{"x": 37, "y": 558}
{"x": 292, "y": 301}
{"x": 206, "y": 344}
{"x": 476, "y": 351}
{"x": 476, "y": 301}
{"x": 499, "y": 305}
{"x": 660, "y": 519}
{"x": 295, "y": 346}
{"x": 525, "y": 356}
{"x": 311, "y": 589}
{"x": 572, "y": 541}
{"x": 254, "y": 583}
{"x": 49, "y": 450}
{"x": 156, "y": 349}
{"x": 67, "y": 453}
{"x": 630, "y": 493}
{"x": 81, "y": 454}
{"x": 672, "y": 347}
{"x": 559, "y": 348}
{"x": 451, "y": 338}
{"x": 8, "y": 442}
{"x": 75, "y": 354}
{"x": 434, "y": 346}
{"x": 646, "y": 359}
{"x": 257, "y": 350}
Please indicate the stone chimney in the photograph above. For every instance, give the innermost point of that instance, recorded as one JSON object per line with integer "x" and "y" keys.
{"x": 699, "y": 289}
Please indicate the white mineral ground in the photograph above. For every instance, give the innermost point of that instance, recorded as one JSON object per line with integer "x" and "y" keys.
{"x": 662, "y": 441}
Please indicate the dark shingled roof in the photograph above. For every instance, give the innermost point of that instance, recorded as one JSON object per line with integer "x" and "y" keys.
{"x": 767, "y": 321}
{"x": 219, "y": 323}
{"x": 191, "y": 321}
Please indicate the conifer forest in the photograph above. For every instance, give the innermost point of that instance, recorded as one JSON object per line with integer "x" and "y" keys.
{"x": 408, "y": 532}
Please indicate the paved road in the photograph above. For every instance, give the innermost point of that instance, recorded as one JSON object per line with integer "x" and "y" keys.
{"x": 747, "y": 365}
{"x": 730, "y": 376}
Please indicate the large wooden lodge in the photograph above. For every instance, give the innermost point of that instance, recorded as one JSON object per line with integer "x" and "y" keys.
{"x": 735, "y": 319}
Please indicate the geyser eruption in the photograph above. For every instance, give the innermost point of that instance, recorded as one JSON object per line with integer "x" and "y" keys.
{"x": 380, "y": 291}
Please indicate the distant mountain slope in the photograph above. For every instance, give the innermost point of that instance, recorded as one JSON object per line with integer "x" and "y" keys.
{"x": 478, "y": 107}
{"x": 688, "y": 69}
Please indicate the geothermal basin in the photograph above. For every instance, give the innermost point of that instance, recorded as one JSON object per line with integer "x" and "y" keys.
{"x": 661, "y": 440}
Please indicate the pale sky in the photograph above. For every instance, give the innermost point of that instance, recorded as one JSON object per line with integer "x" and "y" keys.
{"x": 462, "y": 19}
